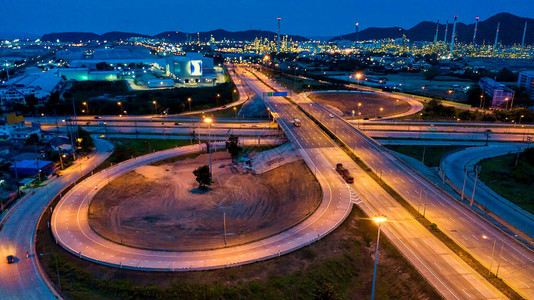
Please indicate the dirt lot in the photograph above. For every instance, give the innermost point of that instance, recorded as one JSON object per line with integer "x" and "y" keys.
{"x": 370, "y": 108}
{"x": 159, "y": 206}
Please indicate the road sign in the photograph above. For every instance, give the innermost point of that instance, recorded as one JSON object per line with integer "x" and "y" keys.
{"x": 277, "y": 94}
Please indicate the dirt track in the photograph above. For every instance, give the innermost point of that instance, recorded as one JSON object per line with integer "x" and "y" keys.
{"x": 370, "y": 108}
{"x": 159, "y": 206}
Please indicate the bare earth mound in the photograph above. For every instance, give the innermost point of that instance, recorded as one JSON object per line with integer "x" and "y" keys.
{"x": 159, "y": 207}
{"x": 371, "y": 104}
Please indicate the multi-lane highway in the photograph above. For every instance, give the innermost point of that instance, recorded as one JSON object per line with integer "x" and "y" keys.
{"x": 22, "y": 280}
{"x": 466, "y": 228}
{"x": 451, "y": 276}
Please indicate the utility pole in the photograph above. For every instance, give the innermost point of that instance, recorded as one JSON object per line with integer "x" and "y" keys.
{"x": 499, "y": 264}
{"x": 224, "y": 223}
{"x": 477, "y": 170}
{"x": 463, "y": 187}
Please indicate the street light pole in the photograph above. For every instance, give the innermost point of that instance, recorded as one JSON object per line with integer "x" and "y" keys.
{"x": 378, "y": 220}
{"x": 209, "y": 121}
{"x": 463, "y": 187}
{"x": 477, "y": 170}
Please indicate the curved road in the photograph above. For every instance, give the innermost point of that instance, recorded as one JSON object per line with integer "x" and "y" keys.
{"x": 22, "y": 279}
{"x": 70, "y": 225}
{"x": 451, "y": 277}
{"x": 415, "y": 106}
{"x": 462, "y": 225}
{"x": 455, "y": 166}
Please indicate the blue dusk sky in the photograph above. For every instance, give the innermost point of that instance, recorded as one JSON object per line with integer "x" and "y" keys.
{"x": 307, "y": 18}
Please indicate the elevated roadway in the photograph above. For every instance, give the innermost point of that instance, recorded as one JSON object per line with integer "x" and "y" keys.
{"x": 451, "y": 276}
{"x": 466, "y": 228}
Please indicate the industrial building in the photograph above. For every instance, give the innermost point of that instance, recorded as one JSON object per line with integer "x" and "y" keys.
{"x": 191, "y": 68}
{"x": 41, "y": 85}
{"x": 12, "y": 126}
{"x": 32, "y": 167}
{"x": 526, "y": 80}
{"x": 499, "y": 93}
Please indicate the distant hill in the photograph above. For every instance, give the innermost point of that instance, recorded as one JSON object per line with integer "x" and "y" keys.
{"x": 511, "y": 31}
{"x": 219, "y": 34}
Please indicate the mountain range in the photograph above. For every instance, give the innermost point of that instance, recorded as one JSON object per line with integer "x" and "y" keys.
{"x": 511, "y": 32}
{"x": 219, "y": 34}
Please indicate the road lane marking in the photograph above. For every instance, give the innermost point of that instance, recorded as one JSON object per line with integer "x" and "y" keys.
{"x": 466, "y": 293}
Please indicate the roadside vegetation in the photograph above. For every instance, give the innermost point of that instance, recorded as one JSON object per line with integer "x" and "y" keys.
{"x": 103, "y": 98}
{"x": 435, "y": 110}
{"x": 128, "y": 148}
{"x": 432, "y": 154}
{"x": 511, "y": 177}
{"x": 339, "y": 266}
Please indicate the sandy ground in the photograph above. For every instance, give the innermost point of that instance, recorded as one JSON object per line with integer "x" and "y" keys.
{"x": 370, "y": 108}
{"x": 160, "y": 207}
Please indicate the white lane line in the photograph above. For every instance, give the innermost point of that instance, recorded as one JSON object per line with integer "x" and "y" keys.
{"x": 466, "y": 293}
{"x": 524, "y": 284}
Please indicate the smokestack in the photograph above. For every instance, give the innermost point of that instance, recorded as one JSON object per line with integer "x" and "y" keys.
{"x": 436, "y": 35}
{"x": 524, "y": 34}
{"x": 357, "y": 31}
{"x": 453, "y": 34}
{"x": 475, "y": 33}
{"x": 446, "y": 30}
{"x": 497, "y": 35}
{"x": 278, "y": 43}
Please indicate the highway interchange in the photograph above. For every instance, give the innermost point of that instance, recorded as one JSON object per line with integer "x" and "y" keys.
{"x": 452, "y": 277}
{"x": 457, "y": 221}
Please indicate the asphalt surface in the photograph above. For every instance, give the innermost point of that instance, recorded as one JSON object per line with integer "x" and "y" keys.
{"x": 451, "y": 277}
{"x": 415, "y": 105}
{"x": 456, "y": 165}
{"x": 466, "y": 228}
{"x": 22, "y": 280}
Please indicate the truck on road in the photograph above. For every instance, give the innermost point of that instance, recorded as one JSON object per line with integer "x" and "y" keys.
{"x": 296, "y": 122}
{"x": 344, "y": 173}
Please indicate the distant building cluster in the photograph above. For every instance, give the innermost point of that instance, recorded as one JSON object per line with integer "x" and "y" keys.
{"x": 526, "y": 81}
{"x": 39, "y": 85}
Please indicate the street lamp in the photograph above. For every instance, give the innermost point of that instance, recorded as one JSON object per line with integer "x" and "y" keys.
{"x": 155, "y": 107}
{"x": 235, "y": 112}
{"x": 86, "y": 107}
{"x": 358, "y": 77}
{"x": 378, "y": 220}
{"x": 120, "y": 106}
{"x": 359, "y": 105}
{"x": 208, "y": 121}
{"x": 189, "y": 100}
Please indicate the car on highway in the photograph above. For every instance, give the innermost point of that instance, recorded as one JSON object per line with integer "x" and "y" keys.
{"x": 177, "y": 123}
{"x": 331, "y": 115}
{"x": 98, "y": 118}
{"x": 296, "y": 122}
{"x": 344, "y": 173}
{"x": 10, "y": 259}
